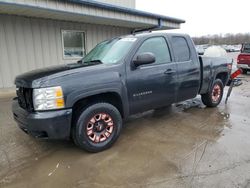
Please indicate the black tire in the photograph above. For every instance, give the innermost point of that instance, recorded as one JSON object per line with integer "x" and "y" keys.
{"x": 83, "y": 120}
{"x": 244, "y": 71}
{"x": 208, "y": 98}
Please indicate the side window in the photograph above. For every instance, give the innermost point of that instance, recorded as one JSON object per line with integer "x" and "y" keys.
{"x": 158, "y": 46}
{"x": 181, "y": 49}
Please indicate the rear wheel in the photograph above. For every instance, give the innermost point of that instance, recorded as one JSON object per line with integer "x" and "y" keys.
{"x": 213, "y": 97}
{"x": 244, "y": 71}
{"x": 97, "y": 127}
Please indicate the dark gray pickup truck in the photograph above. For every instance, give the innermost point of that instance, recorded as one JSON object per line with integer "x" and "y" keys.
{"x": 88, "y": 100}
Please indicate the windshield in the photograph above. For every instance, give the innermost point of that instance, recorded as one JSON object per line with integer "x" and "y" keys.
{"x": 110, "y": 52}
{"x": 246, "y": 48}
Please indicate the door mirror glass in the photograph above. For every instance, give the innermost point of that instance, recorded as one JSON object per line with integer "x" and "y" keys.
{"x": 144, "y": 58}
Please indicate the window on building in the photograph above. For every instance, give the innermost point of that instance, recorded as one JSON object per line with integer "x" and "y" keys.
{"x": 181, "y": 49}
{"x": 73, "y": 44}
{"x": 157, "y": 46}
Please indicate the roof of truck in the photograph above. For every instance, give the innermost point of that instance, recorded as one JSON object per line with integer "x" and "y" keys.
{"x": 145, "y": 34}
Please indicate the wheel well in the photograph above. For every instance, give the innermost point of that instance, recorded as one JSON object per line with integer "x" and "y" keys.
{"x": 110, "y": 97}
{"x": 223, "y": 76}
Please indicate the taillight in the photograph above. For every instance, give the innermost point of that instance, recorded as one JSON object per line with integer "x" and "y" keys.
{"x": 236, "y": 73}
{"x": 238, "y": 59}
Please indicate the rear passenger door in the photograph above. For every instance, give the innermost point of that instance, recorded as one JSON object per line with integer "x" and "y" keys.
{"x": 187, "y": 67}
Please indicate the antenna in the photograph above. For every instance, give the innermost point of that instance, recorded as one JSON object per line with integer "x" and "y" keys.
{"x": 149, "y": 30}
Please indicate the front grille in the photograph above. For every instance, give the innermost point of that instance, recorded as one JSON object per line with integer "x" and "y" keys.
{"x": 24, "y": 96}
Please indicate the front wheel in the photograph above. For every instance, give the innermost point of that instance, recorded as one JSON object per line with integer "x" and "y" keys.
{"x": 213, "y": 97}
{"x": 97, "y": 127}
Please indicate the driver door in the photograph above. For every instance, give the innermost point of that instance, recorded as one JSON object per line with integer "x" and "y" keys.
{"x": 153, "y": 85}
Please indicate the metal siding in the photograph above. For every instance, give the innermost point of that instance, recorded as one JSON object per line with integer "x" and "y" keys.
{"x": 31, "y": 43}
{"x": 19, "y": 42}
{"x": 45, "y": 42}
{"x": 11, "y": 47}
{"x": 5, "y": 67}
{"x": 53, "y": 44}
{"x": 36, "y": 33}
{"x": 127, "y": 3}
{"x": 54, "y": 3}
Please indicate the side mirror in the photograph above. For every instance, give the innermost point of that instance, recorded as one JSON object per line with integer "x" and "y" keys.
{"x": 144, "y": 58}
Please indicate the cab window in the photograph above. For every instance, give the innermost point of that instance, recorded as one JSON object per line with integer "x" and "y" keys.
{"x": 157, "y": 46}
{"x": 181, "y": 49}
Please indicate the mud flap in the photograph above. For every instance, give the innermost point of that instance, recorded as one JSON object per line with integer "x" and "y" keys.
{"x": 232, "y": 82}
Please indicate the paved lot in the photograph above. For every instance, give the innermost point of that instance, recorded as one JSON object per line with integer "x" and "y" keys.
{"x": 186, "y": 145}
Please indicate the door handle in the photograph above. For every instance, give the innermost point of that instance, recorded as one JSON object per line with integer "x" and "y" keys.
{"x": 169, "y": 71}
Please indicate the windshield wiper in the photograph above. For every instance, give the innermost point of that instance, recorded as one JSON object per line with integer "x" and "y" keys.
{"x": 80, "y": 61}
{"x": 93, "y": 61}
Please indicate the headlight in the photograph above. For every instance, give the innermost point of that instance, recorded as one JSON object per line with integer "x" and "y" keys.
{"x": 48, "y": 98}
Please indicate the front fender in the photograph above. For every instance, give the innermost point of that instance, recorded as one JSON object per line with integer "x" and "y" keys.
{"x": 81, "y": 93}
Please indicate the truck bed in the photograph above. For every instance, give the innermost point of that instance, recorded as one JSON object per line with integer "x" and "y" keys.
{"x": 210, "y": 66}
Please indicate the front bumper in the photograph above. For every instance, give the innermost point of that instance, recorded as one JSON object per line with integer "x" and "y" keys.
{"x": 243, "y": 66}
{"x": 47, "y": 125}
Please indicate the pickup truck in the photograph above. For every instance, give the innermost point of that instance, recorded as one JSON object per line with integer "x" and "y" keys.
{"x": 243, "y": 60}
{"x": 88, "y": 101}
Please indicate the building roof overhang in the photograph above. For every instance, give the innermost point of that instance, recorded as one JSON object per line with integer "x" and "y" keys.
{"x": 90, "y": 12}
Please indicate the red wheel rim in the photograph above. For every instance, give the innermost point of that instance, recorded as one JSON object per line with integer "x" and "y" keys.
{"x": 216, "y": 93}
{"x": 100, "y": 127}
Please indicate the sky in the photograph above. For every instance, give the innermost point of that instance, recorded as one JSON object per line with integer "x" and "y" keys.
{"x": 203, "y": 17}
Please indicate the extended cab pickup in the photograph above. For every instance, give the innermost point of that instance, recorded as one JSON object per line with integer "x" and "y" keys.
{"x": 88, "y": 100}
{"x": 243, "y": 60}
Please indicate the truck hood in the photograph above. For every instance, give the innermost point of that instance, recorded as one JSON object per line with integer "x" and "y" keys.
{"x": 39, "y": 77}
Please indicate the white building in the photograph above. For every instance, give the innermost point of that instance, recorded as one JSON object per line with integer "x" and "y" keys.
{"x": 41, "y": 33}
